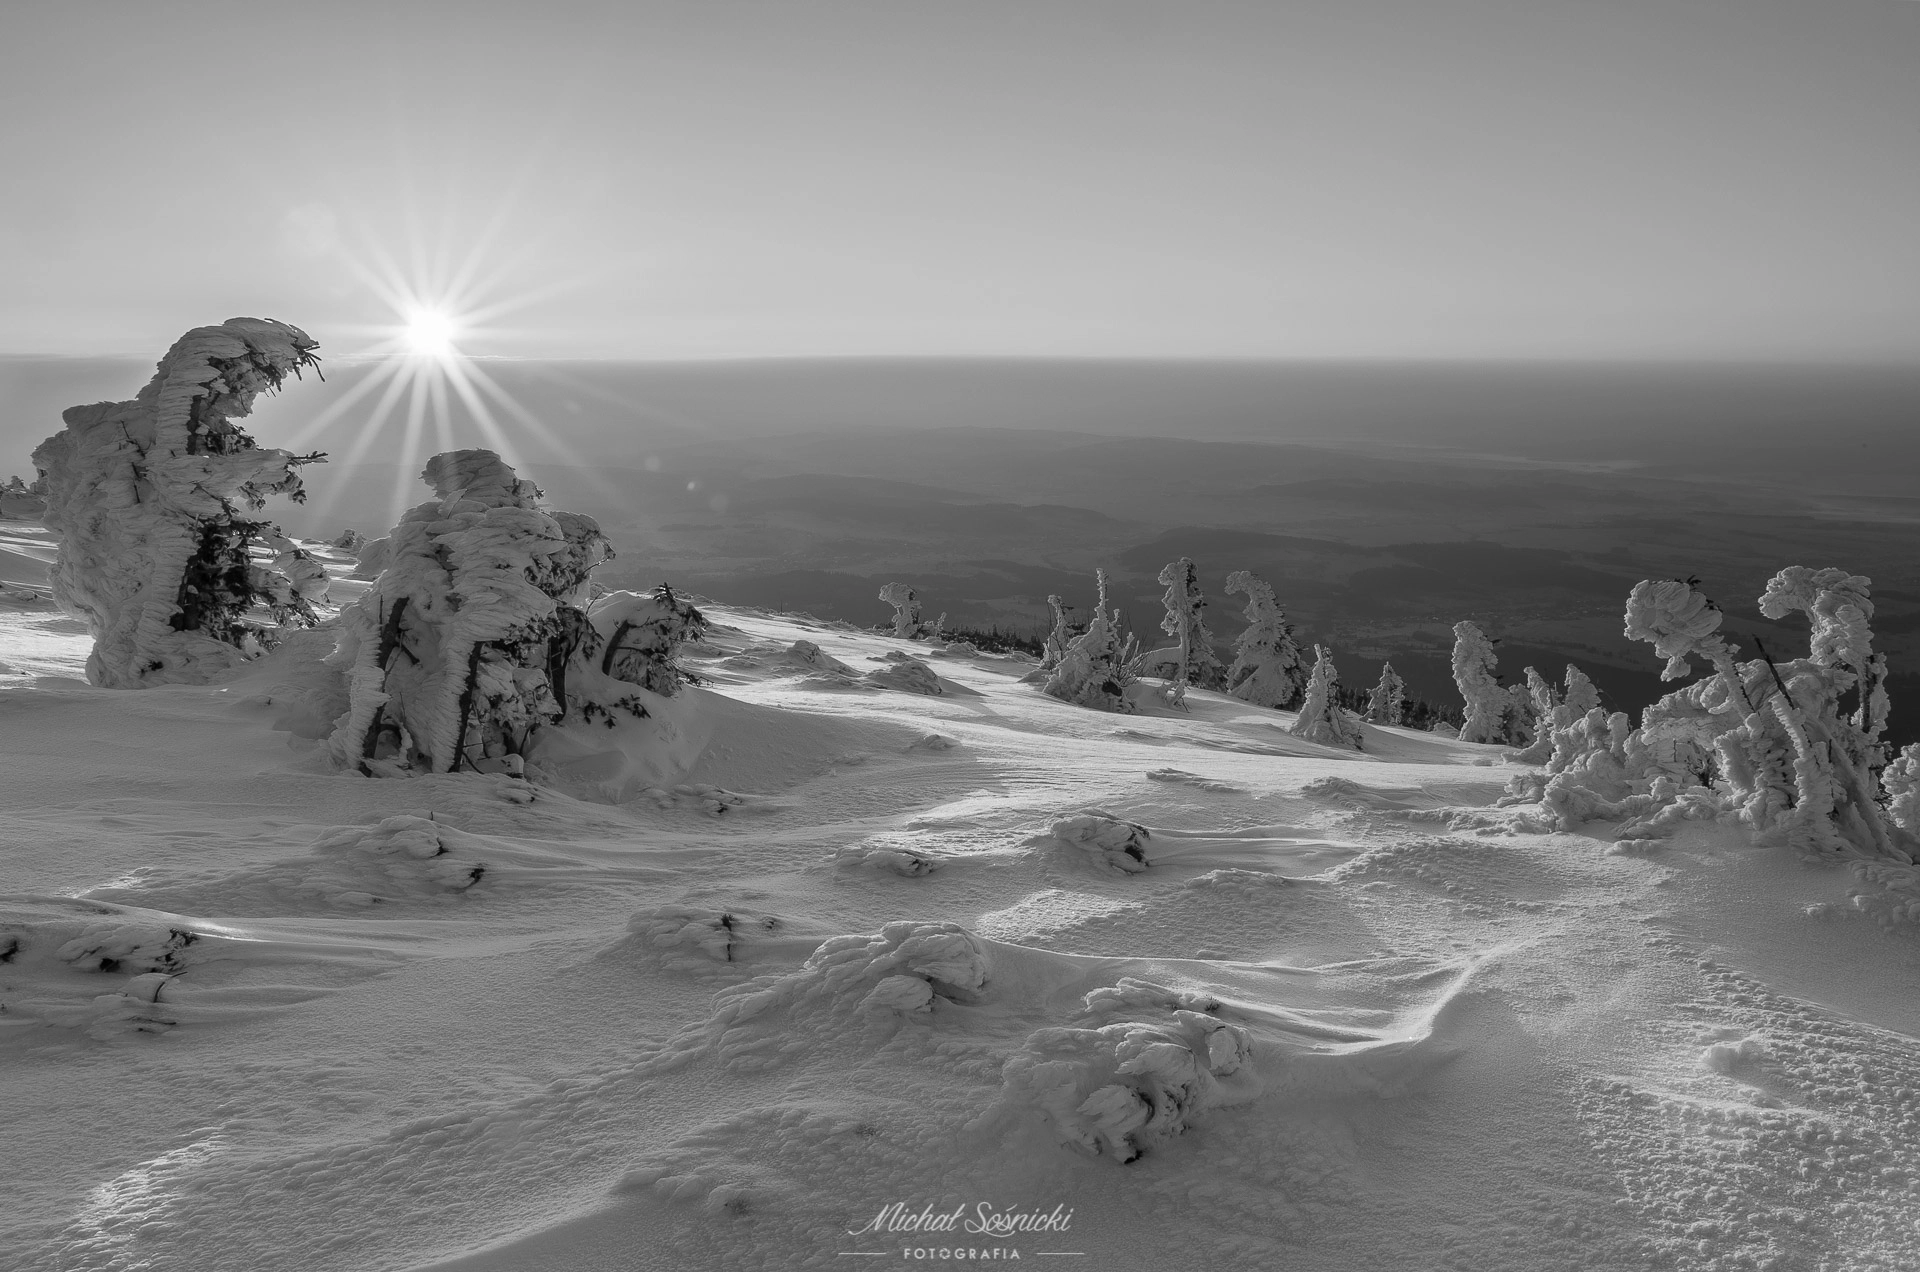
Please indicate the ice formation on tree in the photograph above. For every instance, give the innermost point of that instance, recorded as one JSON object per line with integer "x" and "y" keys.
{"x": 1057, "y": 638}
{"x": 350, "y": 540}
{"x": 906, "y": 609}
{"x": 1321, "y": 718}
{"x": 1267, "y": 668}
{"x": 1788, "y": 749}
{"x": 1389, "y": 697}
{"x": 147, "y": 496}
{"x": 1097, "y": 666}
{"x": 1190, "y": 660}
{"x": 473, "y": 636}
{"x": 1493, "y": 713}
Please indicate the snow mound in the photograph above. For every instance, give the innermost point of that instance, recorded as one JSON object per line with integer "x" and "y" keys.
{"x": 909, "y": 675}
{"x": 1117, "y": 1090}
{"x": 692, "y": 938}
{"x": 848, "y": 976}
{"x": 896, "y": 859}
{"x": 110, "y": 970}
{"x": 404, "y": 855}
{"x": 1194, "y": 780}
{"x": 1106, "y": 839}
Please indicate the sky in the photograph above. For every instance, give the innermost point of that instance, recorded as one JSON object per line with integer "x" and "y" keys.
{"x": 1451, "y": 179}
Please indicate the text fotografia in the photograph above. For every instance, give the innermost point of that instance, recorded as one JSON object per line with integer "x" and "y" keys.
{"x": 980, "y": 1219}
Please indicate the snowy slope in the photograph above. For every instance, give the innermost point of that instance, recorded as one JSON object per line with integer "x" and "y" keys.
{"x": 256, "y": 1013}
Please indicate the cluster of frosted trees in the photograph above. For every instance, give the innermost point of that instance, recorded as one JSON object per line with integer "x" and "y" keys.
{"x": 476, "y": 632}
{"x": 1099, "y": 667}
{"x": 1790, "y": 749}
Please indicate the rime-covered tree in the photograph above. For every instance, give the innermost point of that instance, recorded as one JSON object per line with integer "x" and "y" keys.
{"x": 1493, "y": 713}
{"x": 906, "y": 609}
{"x": 1389, "y": 697}
{"x": 1581, "y": 696}
{"x": 1267, "y": 668}
{"x": 1321, "y": 718}
{"x": 472, "y": 636}
{"x": 1193, "y": 660}
{"x": 1098, "y": 665}
{"x": 148, "y": 496}
{"x": 1058, "y": 636}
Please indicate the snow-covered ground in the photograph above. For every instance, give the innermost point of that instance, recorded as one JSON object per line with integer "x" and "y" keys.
{"x": 865, "y": 949}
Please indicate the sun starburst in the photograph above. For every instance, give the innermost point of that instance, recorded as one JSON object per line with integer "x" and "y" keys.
{"x": 438, "y": 309}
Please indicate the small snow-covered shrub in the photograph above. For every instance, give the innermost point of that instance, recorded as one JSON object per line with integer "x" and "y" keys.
{"x": 644, "y": 634}
{"x": 1097, "y": 666}
{"x": 1267, "y": 668}
{"x": 148, "y": 497}
{"x": 1389, "y": 697}
{"x": 906, "y": 610}
{"x": 1321, "y": 717}
{"x": 454, "y": 653}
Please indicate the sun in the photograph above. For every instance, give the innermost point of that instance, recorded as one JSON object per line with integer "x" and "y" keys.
{"x": 429, "y": 333}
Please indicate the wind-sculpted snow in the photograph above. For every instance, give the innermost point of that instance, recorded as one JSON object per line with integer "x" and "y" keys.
{"x": 906, "y": 969}
{"x": 828, "y": 955}
{"x": 147, "y": 497}
{"x": 107, "y": 970}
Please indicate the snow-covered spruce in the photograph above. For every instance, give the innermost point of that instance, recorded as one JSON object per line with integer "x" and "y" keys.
{"x": 1267, "y": 668}
{"x": 1321, "y": 718}
{"x": 906, "y": 610}
{"x": 1097, "y": 665}
{"x": 1190, "y": 660}
{"x": 1058, "y": 636}
{"x": 147, "y": 496}
{"x": 1492, "y": 713}
{"x": 472, "y": 636}
{"x": 1580, "y": 695}
{"x": 1389, "y": 697}
{"x": 1545, "y": 713}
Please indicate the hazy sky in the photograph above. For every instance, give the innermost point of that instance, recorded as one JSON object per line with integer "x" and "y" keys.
{"x": 1606, "y": 178}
